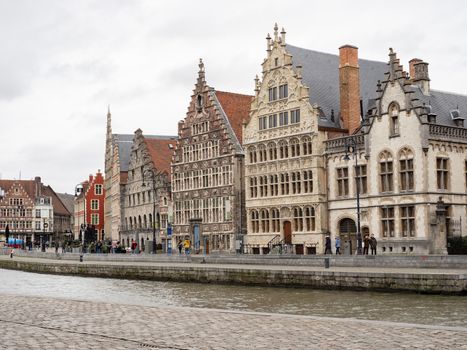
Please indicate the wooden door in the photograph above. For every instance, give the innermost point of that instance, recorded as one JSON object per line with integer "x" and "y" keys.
{"x": 287, "y": 232}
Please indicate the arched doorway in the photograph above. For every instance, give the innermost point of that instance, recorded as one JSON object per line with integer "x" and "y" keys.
{"x": 287, "y": 232}
{"x": 348, "y": 235}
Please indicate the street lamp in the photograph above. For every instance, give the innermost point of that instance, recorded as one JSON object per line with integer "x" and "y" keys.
{"x": 149, "y": 173}
{"x": 79, "y": 188}
{"x": 351, "y": 148}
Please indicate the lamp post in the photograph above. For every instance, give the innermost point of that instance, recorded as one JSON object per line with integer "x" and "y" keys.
{"x": 79, "y": 188}
{"x": 149, "y": 173}
{"x": 351, "y": 148}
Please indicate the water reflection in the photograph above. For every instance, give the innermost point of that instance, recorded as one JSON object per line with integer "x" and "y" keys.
{"x": 399, "y": 307}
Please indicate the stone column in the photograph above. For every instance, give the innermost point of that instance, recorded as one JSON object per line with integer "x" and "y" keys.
{"x": 438, "y": 231}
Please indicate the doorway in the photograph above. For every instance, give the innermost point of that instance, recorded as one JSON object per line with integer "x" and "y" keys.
{"x": 348, "y": 236}
{"x": 287, "y": 232}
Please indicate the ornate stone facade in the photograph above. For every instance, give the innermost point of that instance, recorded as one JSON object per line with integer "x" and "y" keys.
{"x": 207, "y": 170}
{"x": 284, "y": 172}
{"x": 412, "y": 165}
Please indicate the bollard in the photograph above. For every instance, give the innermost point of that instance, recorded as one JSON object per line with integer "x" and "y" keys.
{"x": 326, "y": 263}
{"x": 81, "y": 258}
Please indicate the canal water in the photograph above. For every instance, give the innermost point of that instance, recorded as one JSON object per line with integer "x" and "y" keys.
{"x": 397, "y": 307}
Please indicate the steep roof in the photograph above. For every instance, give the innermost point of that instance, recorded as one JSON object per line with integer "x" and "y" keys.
{"x": 59, "y": 207}
{"x": 124, "y": 142}
{"x": 68, "y": 201}
{"x": 237, "y": 109}
{"x": 28, "y": 185}
{"x": 320, "y": 72}
{"x": 161, "y": 149}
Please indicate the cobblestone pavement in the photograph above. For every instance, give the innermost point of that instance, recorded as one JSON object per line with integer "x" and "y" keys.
{"x": 47, "y": 323}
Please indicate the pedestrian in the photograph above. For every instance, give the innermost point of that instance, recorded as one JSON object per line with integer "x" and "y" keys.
{"x": 134, "y": 245}
{"x": 186, "y": 245}
{"x": 180, "y": 246}
{"x": 373, "y": 244}
{"x": 328, "y": 245}
{"x": 366, "y": 244}
{"x": 338, "y": 245}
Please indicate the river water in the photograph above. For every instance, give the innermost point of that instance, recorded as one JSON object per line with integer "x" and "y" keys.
{"x": 398, "y": 307}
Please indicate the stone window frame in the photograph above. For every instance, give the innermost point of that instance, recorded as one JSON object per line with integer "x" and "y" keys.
{"x": 283, "y": 91}
{"x": 394, "y": 119}
{"x": 386, "y": 172}
{"x": 342, "y": 181}
{"x": 285, "y": 184}
{"x": 308, "y": 181}
{"x": 263, "y": 186}
{"x": 262, "y": 152}
{"x": 407, "y": 219}
{"x": 275, "y": 220}
{"x": 361, "y": 175}
{"x": 296, "y": 182}
{"x": 272, "y": 150}
{"x": 264, "y": 220}
{"x": 406, "y": 170}
{"x": 387, "y": 221}
{"x": 283, "y": 149}
{"x": 309, "y": 214}
{"x": 283, "y": 118}
{"x": 295, "y": 116}
{"x": 254, "y": 219}
{"x": 294, "y": 144}
{"x": 252, "y": 155}
{"x": 274, "y": 185}
{"x": 307, "y": 145}
{"x": 442, "y": 173}
{"x": 298, "y": 219}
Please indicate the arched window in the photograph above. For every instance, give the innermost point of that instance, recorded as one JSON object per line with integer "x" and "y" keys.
{"x": 294, "y": 148}
{"x": 310, "y": 222}
{"x": 264, "y": 221}
{"x": 145, "y": 221}
{"x": 393, "y": 112}
{"x": 386, "y": 171}
{"x": 150, "y": 220}
{"x": 254, "y": 221}
{"x": 275, "y": 220}
{"x": 298, "y": 219}
{"x": 131, "y": 223}
{"x": 272, "y": 151}
{"x": 252, "y": 154}
{"x": 283, "y": 149}
{"x": 262, "y": 153}
{"x": 406, "y": 170}
{"x": 140, "y": 225}
{"x": 306, "y": 145}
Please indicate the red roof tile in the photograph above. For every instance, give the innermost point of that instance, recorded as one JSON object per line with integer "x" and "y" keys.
{"x": 237, "y": 108}
{"x": 161, "y": 152}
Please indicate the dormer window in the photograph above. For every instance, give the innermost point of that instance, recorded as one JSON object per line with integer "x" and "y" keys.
{"x": 456, "y": 117}
{"x": 394, "y": 119}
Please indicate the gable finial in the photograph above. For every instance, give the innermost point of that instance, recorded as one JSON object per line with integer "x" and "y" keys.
{"x": 268, "y": 44}
{"x": 276, "y": 35}
{"x": 283, "y": 37}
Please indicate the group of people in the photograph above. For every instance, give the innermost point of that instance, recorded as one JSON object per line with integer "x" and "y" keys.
{"x": 185, "y": 244}
{"x": 368, "y": 242}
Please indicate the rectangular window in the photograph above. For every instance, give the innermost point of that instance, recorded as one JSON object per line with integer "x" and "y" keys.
{"x": 94, "y": 204}
{"x": 295, "y": 116}
{"x": 296, "y": 187}
{"x": 38, "y": 225}
{"x": 387, "y": 221}
{"x": 98, "y": 189}
{"x": 274, "y": 185}
{"x": 94, "y": 219}
{"x": 38, "y": 213}
{"x": 272, "y": 94}
{"x": 308, "y": 181}
{"x": 442, "y": 173}
{"x": 263, "y": 123}
{"x": 361, "y": 178}
{"x": 273, "y": 120}
{"x": 283, "y": 91}
{"x": 342, "y": 182}
{"x": 408, "y": 221}
{"x": 386, "y": 175}
{"x": 284, "y": 184}
{"x": 283, "y": 118}
{"x": 253, "y": 187}
{"x": 406, "y": 174}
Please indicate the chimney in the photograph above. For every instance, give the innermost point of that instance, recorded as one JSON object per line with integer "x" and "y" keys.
{"x": 38, "y": 182}
{"x": 419, "y": 74}
{"x": 349, "y": 87}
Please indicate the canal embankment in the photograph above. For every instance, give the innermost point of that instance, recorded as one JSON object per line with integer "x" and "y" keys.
{"x": 445, "y": 279}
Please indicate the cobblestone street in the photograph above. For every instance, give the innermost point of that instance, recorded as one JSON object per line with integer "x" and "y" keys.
{"x": 47, "y": 323}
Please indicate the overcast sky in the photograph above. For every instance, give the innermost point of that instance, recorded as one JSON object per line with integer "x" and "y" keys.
{"x": 62, "y": 63}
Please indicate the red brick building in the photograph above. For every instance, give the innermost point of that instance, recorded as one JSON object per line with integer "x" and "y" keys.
{"x": 89, "y": 205}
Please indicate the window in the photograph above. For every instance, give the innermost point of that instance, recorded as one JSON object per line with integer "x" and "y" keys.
{"x": 295, "y": 116}
{"x": 310, "y": 222}
{"x": 307, "y": 146}
{"x": 342, "y": 182}
{"x": 274, "y": 185}
{"x": 308, "y": 181}
{"x": 38, "y": 225}
{"x": 294, "y": 148}
{"x": 408, "y": 220}
{"x": 94, "y": 204}
{"x": 273, "y": 120}
{"x": 263, "y": 123}
{"x": 98, "y": 189}
{"x": 95, "y": 219}
{"x": 283, "y": 150}
{"x": 296, "y": 184}
{"x": 253, "y": 187}
{"x": 442, "y": 174}
{"x": 284, "y": 184}
{"x": 394, "y": 121}
{"x": 252, "y": 154}
{"x": 298, "y": 219}
{"x": 385, "y": 172}
{"x": 406, "y": 170}
{"x": 361, "y": 178}
{"x": 254, "y": 221}
{"x": 262, "y": 153}
{"x": 283, "y": 118}
{"x": 226, "y": 212}
{"x": 205, "y": 180}
{"x": 387, "y": 221}
{"x": 465, "y": 171}
{"x": 272, "y": 94}
{"x": 283, "y": 91}
{"x": 263, "y": 186}
{"x": 275, "y": 220}
{"x": 272, "y": 151}
{"x": 264, "y": 220}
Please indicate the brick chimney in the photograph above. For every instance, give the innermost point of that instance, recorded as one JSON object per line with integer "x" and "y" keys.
{"x": 419, "y": 74}
{"x": 349, "y": 87}
{"x": 38, "y": 183}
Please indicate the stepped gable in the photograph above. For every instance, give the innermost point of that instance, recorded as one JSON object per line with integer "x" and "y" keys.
{"x": 161, "y": 149}
{"x": 320, "y": 72}
{"x": 28, "y": 185}
{"x": 237, "y": 109}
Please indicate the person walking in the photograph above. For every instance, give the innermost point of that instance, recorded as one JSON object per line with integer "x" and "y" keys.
{"x": 338, "y": 245}
{"x": 180, "y": 246}
{"x": 328, "y": 245}
{"x": 373, "y": 244}
{"x": 366, "y": 244}
{"x": 186, "y": 245}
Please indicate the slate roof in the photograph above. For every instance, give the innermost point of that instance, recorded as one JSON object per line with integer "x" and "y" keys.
{"x": 237, "y": 109}
{"x": 124, "y": 142}
{"x": 68, "y": 201}
{"x": 160, "y": 150}
{"x": 59, "y": 207}
{"x": 320, "y": 72}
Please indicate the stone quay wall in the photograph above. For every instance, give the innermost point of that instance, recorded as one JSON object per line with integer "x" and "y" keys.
{"x": 413, "y": 280}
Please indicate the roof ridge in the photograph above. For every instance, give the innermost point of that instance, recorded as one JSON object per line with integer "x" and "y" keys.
{"x": 448, "y": 92}
{"x": 161, "y": 137}
{"x": 234, "y": 93}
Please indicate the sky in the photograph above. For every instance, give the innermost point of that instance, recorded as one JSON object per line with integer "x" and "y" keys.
{"x": 63, "y": 62}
